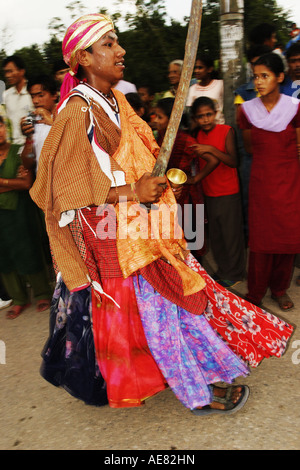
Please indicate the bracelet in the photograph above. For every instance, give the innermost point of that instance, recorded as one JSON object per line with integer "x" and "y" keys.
{"x": 4, "y": 181}
{"x": 29, "y": 141}
{"x": 135, "y": 196}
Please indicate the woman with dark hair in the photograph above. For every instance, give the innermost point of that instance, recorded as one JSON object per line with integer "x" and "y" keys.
{"x": 21, "y": 258}
{"x": 271, "y": 130}
{"x": 207, "y": 85}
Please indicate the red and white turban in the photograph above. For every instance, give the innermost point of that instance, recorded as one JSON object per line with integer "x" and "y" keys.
{"x": 84, "y": 32}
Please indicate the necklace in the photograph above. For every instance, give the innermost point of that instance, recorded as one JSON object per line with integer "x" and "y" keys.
{"x": 107, "y": 97}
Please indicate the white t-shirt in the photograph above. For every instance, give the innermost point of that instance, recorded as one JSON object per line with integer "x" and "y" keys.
{"x": 41, "y": 131}
{"x": 214, "y": 91}
{"x": 17, "y": 106}
{"x": 125, "y": 87}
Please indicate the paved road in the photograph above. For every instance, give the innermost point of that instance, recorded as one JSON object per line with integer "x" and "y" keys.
{"x": 35, "y": 415}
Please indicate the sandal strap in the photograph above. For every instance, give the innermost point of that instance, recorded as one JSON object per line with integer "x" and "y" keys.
{"x": 226, "y": 400}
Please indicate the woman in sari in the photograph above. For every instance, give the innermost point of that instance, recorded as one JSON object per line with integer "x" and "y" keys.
{"x": 21, "y": 258}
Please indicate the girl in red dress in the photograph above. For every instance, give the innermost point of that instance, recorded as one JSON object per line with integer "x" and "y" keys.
{"x": 183, "y": 156}
{"x": 221, "y": 190}
{"x": 270, "y": 126}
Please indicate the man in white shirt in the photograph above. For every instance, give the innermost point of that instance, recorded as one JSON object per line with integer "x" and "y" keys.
{"x": 16, "y": 98}
{"x": 43, "y": 92}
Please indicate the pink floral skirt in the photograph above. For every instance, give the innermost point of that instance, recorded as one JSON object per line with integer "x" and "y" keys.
{"x": 251, "y": 332}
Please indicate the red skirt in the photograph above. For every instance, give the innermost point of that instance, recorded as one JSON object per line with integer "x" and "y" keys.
{"x": 131, "y": 373}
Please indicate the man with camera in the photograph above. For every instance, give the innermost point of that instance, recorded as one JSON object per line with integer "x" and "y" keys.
{"x": 37, "y": 124}
{"x": 16, "y": 98}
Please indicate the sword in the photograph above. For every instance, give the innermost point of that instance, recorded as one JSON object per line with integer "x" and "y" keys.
{"x": 191, "y": 47}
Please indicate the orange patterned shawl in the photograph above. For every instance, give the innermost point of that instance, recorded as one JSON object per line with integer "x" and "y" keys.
{"x": 69, "y": 177}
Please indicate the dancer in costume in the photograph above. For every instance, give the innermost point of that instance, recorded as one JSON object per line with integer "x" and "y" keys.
{"x": 131, "y": 310}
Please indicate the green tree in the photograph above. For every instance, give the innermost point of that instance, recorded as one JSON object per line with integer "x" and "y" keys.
{"x": 267, "y": 11}
{"x": 151, "y": 44}
{"x": 56, "y": 28}
{"x": 34, "y": 60}
{"x": 210, "y": 35}
{"x": 52, "y": 51}
{"x": 76, "y": 9}
{"x": 151, "y": 39}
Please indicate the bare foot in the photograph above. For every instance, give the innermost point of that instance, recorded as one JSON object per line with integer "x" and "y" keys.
{"x": 284, "y": 301}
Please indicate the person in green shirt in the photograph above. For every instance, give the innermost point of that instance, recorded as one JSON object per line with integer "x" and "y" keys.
{"x": 21, "y": 255}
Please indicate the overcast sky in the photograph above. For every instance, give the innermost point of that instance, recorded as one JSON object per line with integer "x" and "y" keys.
{"x": 26, "y": 22}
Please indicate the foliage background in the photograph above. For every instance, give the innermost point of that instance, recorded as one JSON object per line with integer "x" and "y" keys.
{"x": 151, "y": 39}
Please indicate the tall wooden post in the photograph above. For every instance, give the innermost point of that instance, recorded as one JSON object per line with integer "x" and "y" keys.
{"x": 232, "y": 52}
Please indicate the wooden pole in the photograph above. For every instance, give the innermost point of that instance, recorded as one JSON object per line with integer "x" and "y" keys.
{"x": 191, "y": 47}
{"x": 232, "y": 52}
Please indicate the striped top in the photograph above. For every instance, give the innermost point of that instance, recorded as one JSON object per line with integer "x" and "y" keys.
{"x": 69, "y": 177}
